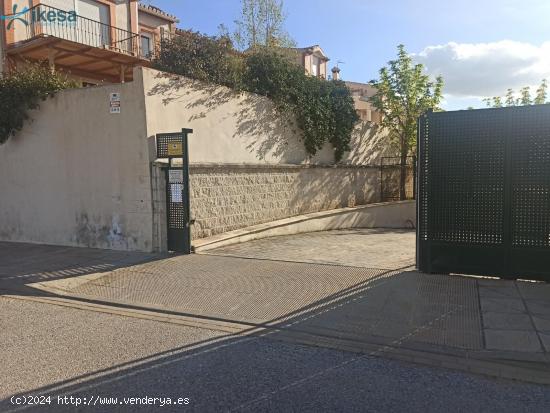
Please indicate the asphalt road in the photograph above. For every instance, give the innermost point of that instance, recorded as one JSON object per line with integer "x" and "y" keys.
{"x": 57, "y": 352}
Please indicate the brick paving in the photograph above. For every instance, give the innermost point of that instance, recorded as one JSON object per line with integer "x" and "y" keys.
{"x": 384, "y": 304}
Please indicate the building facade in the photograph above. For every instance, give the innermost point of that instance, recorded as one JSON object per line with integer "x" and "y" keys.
{"x": 361, "y": 93}
{"x": 313, "y": 59}
{"x": 94, "y": 41}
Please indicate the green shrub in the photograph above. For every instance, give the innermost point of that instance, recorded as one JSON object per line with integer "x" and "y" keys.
{"x": 22, "y": 91}
{"x": 324, "y": 110}
{"x": 193, "y": 55}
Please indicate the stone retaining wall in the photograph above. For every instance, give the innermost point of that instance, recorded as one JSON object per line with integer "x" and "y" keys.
{"x": 225, "y": 198}
{"x": 229, "y": 197}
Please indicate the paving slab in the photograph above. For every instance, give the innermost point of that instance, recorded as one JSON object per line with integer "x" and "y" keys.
{"x": 534, "y": 291}
{"x": 542, "y": 322}
{"x": 499, "y": 291}
{"x": 538, "y": 306}
{"x": 513, "y": 340}
{"x": 507, "y": 321}
{"x": 503, "y": 305}
{"x": 545, "y": 338}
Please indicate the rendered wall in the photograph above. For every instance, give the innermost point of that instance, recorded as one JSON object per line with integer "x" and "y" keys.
{"x": 248, "y": 165}
{"x": 233, "y": 128}
{"x": 78, "y": 175}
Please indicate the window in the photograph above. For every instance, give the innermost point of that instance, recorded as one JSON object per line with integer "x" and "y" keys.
{"x": 93, "y": 25}
{"x": 146, "y": 45}
{"x": 314, "y": 66}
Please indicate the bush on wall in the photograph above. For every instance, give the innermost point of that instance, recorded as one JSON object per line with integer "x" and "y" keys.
{"x": 324, "y": 110}
{"x": 22, "y": 91}
{"x": 199, "y": 57}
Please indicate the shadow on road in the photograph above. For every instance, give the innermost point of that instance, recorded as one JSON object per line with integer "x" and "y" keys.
{"x": 23, "y": 264}
{"x": 391, "y": 307}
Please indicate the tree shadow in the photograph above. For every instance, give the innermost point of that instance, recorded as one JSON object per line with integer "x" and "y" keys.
{"x": 23, "y": 264}
{"x": 260, "y": 127}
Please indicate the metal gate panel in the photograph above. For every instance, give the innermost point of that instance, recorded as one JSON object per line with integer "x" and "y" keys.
{"x": 175, "y": 146}
{"x": 484, "y": 192}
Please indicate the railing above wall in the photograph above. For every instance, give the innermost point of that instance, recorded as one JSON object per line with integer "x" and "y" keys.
{"x": 43, "y": 21}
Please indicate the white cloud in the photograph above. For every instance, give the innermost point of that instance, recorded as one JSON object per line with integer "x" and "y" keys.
{"x": 486, "y": 69}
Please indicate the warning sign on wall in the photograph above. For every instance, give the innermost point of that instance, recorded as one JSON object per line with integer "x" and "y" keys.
{"x": 114, "y": 103}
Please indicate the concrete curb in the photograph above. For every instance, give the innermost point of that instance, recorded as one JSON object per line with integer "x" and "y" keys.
{"x": 401, "y": 214}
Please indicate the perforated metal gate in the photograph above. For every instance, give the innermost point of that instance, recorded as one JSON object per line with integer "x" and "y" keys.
{"x": 175, "y": 146}
{"x": 484, "y": 192}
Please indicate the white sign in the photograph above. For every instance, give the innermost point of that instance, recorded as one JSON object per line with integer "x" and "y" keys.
{"x": 114, "y": 103}
{"x": 176, "y": 192}
{"x": 175, "y": 176}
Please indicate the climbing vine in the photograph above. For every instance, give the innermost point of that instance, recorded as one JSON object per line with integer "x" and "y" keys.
{"x": 324, "y": 110}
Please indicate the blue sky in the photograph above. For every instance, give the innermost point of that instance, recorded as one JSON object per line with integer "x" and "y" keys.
{"x": 480, "y": 47}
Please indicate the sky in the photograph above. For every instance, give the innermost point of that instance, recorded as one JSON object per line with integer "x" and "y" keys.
{"x": 481, "y": 48}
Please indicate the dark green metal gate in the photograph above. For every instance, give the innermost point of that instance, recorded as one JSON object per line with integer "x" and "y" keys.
{"x": 484, "y": 192}
{"x": 175, "y": 146}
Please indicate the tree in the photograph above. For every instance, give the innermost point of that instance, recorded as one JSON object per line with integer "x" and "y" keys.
{"x": 404, "y": 92}
{"x": 261, "y": 24}
{"x": 541, "y": 95}
{"x": 324, "y": 111}
{"x": 524, "y": 99}
{"x": 495, "y": 102}
{"x": 510, "y": 99}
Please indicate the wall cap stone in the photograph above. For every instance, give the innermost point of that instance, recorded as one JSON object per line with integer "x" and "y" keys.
{"x": 163, "y": 163}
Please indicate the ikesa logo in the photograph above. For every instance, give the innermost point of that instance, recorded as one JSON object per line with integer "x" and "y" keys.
{"x": 38, "y": 15}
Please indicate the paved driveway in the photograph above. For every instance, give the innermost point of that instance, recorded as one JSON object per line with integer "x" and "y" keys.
{"x": 353, "y": 288}
{"x": 369, "y": 248}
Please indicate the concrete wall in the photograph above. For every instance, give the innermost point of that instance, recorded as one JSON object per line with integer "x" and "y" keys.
{"x": 78, "y": 175}
{"x": 241, "y": 127}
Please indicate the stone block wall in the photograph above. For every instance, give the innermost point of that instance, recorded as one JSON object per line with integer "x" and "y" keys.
{"x": 229, "y": 197}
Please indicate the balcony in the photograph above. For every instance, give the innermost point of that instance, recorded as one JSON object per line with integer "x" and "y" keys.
{"x": 75, "y": 44}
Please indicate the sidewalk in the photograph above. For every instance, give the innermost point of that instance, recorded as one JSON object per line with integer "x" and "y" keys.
{"x": 495, "y": 327}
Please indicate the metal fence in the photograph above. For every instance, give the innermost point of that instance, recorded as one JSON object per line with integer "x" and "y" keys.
{"x": 62, "y": 25}
{"x": 390, "y": 178}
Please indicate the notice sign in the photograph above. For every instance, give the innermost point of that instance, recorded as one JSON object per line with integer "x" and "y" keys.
{"x": 176, "y": 193}
{"x": 114, "y": 103}
{"x": 175, "y": 149}
{"x": 175, "y": 175}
